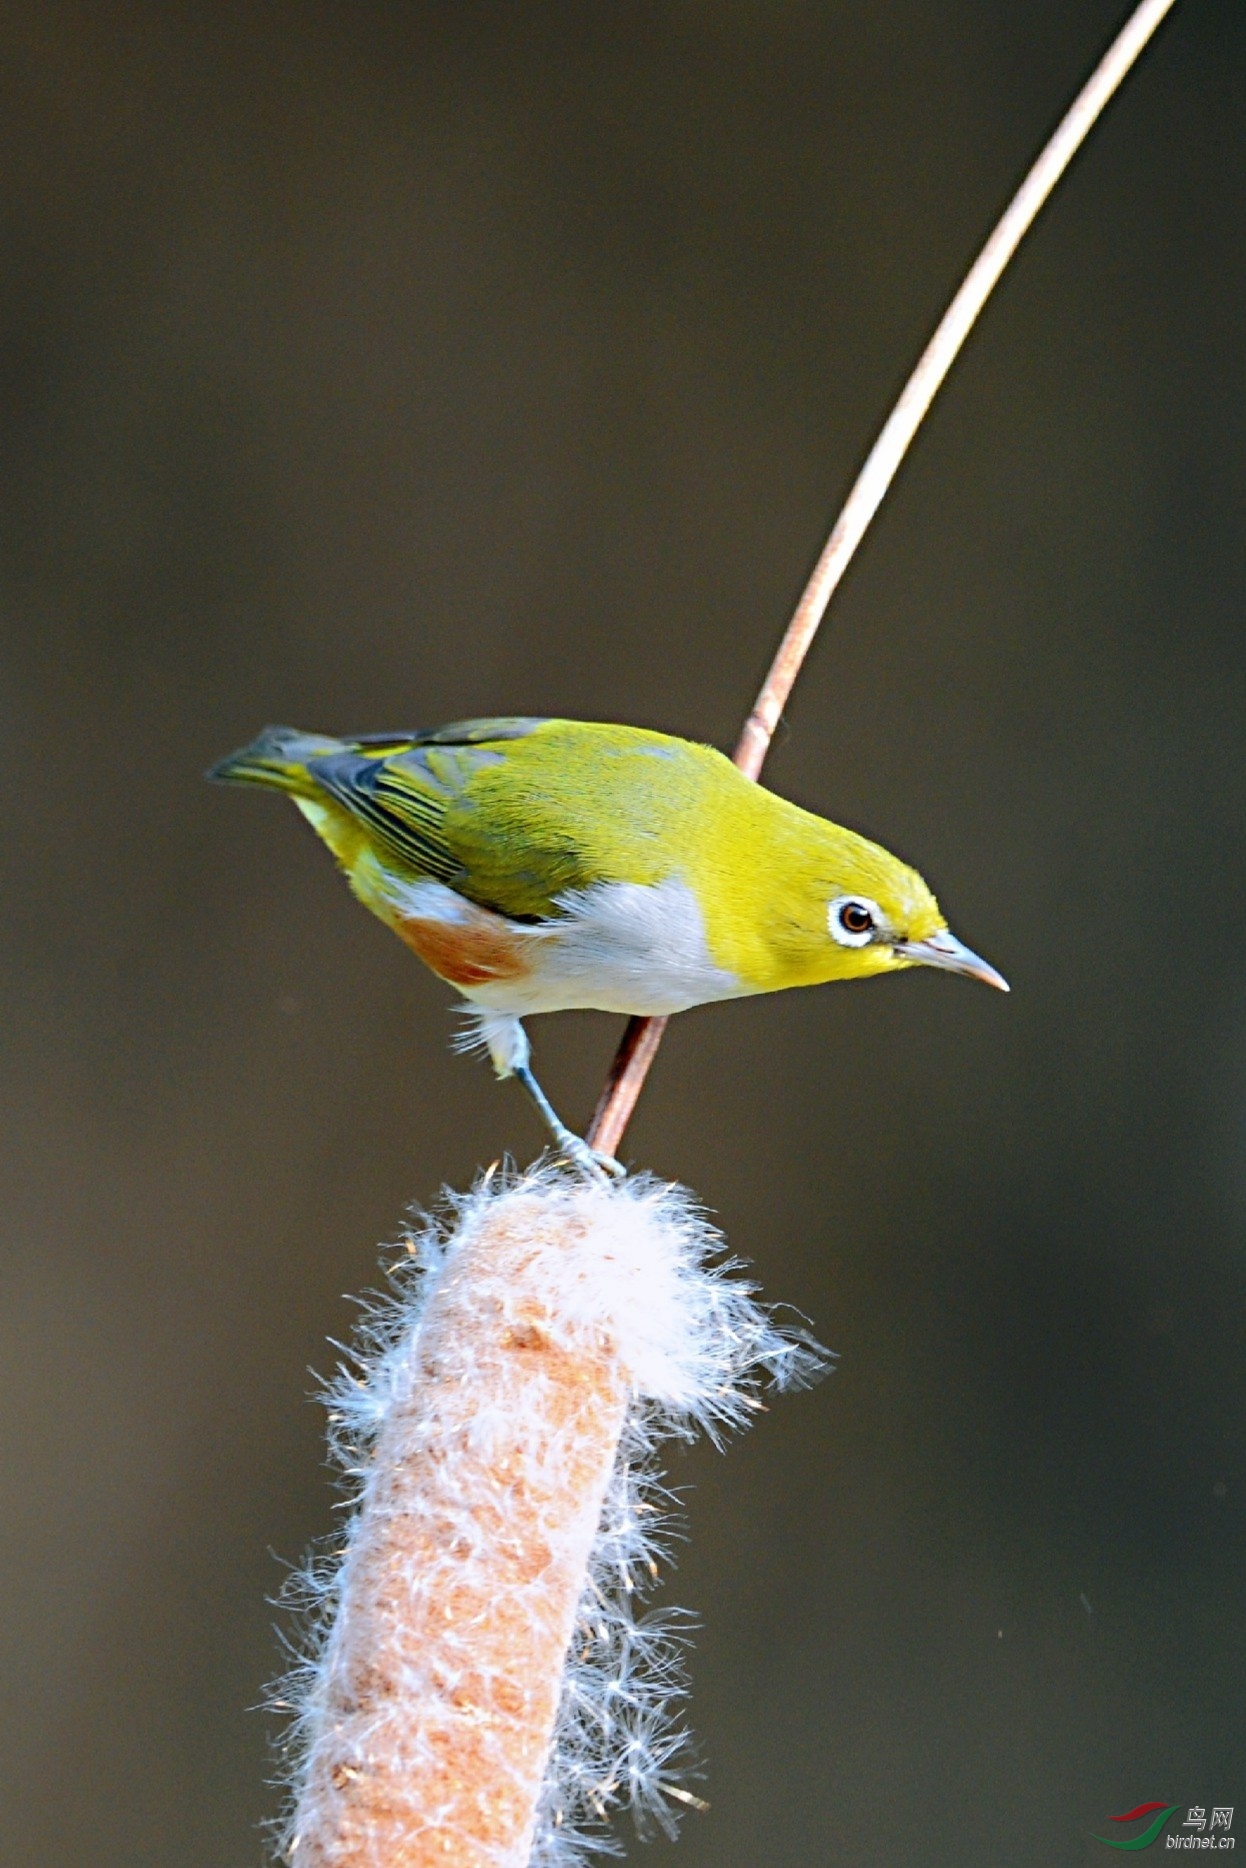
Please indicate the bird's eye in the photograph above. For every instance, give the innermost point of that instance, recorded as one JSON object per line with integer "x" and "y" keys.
{"x": 853, "y": 920}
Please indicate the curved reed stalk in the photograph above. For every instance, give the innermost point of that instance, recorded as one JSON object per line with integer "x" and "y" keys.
{"x": 639, "y": 1044}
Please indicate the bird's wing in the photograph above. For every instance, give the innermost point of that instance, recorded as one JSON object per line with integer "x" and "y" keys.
{"x": 515, "y": 814}
{"x": 405, "y": 818}
{"x": 412, "y": 792}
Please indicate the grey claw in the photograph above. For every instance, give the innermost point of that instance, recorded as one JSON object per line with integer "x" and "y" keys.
{"x": 592, "y": 1164}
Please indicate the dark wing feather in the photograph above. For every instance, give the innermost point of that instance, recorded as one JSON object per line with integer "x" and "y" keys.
{"x": 401, "y": 786}
{"x": 480, "y": 732}
{"x": 458, "y": 733}
{"x": 406, "y": 816}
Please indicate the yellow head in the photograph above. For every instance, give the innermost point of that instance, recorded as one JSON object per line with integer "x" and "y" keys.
{"x": 817, "y": 902}
{"x": 882, "y": 915}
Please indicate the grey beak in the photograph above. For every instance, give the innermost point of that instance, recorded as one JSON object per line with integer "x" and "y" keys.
{"x": 952, "y": 955}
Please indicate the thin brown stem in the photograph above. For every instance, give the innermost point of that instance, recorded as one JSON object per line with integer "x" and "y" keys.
{"x": 643, "y": 1035}
{"x": 637, "y": 1049}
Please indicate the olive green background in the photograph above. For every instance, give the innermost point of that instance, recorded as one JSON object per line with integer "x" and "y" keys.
{"x": 365, "y": 365}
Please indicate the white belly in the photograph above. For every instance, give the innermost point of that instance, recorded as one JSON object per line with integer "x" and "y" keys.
{"x": 618, "y": 947}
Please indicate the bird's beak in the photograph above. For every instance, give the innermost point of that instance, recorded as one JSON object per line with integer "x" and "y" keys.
{"x": 943, "y": 949}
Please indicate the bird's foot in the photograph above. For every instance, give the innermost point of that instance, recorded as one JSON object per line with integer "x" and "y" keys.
{"x": 594, "y": 1165}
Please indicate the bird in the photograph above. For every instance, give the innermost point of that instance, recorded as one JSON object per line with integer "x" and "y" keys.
{"x": 540, "y": 865}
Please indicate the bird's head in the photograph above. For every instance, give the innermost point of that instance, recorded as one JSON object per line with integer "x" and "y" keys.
{"x": 880, "y": 915}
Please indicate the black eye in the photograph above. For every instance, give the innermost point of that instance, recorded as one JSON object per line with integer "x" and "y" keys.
{"x": 855, "y": 918}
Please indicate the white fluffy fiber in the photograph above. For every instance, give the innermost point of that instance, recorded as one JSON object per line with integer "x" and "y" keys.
{"x": 697, "y": 1349}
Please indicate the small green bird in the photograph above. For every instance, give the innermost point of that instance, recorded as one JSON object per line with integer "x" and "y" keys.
{"x": 540, "y": 865}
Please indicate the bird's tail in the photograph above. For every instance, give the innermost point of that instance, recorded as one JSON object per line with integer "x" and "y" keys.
{"x": 278, "y": 759}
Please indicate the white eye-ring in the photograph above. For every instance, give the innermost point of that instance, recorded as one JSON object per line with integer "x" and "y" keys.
{"x": 854, "y": 920}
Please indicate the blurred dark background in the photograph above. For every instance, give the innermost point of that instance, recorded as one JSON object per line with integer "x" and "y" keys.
{"x": 372, "y": 364}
